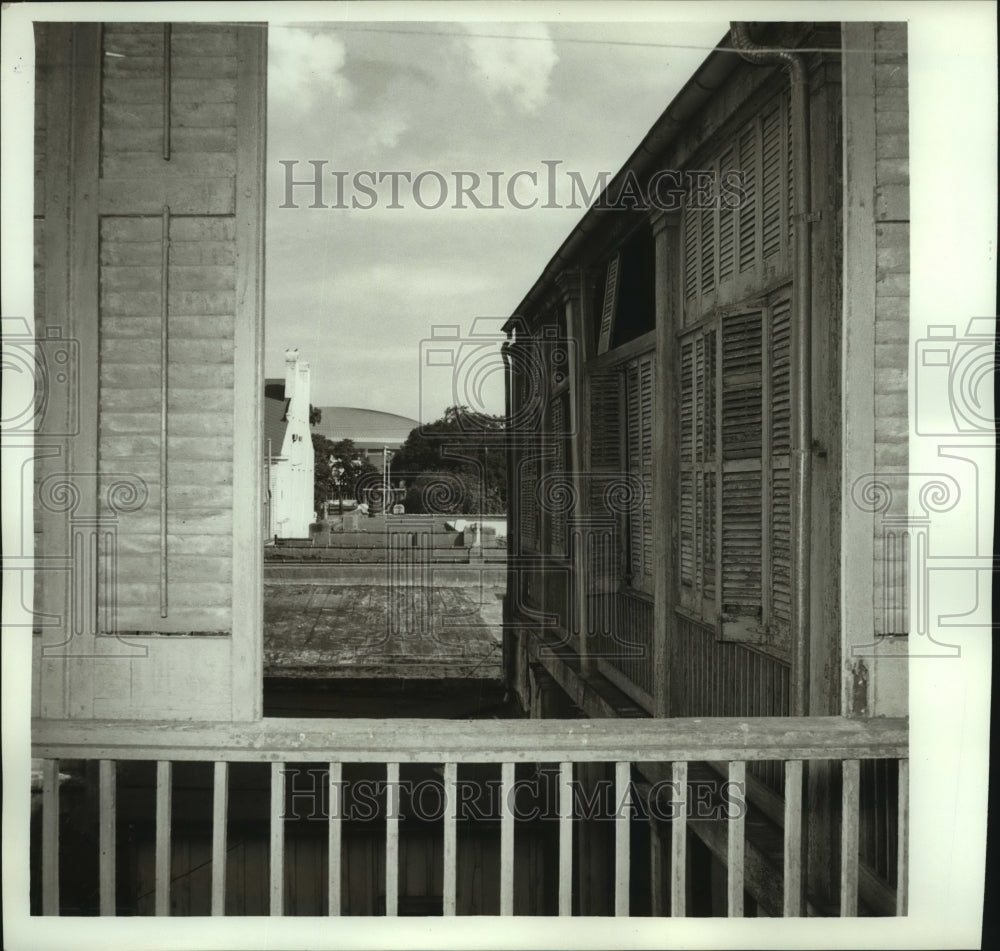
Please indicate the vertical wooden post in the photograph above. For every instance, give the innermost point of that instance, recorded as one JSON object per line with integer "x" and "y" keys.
{"x": 163, "y": 853}
{"x": 507, "y": 839}
{"x": 107, "y": 835}
{"x": 623, "y": 816}
{"x": 450, "y": 839}
{"x": 903, "y": 839}
{"x": 678, "y": 842}
{"x": 664, "y": 453}
{"x": 849, "y": 830}
{"x": 335, "y": 804}
{"x": 392, "y": 806}
{"x": 277, "y": 850}
{"x": 736, "y": 843}
{"x": 248, "y": 380}
{"x": 792, "y": 907}
{"x": 566, "y": 839}
{"x": 50, "y": 837}
{"x": 220, "y": 805}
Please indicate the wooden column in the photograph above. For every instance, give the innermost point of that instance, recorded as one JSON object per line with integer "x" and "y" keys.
{"x": 666, "y": 254}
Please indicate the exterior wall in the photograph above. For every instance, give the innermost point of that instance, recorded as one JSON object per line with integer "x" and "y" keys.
{"x": 151, "y": 213}
{"x": 876, "y": 338}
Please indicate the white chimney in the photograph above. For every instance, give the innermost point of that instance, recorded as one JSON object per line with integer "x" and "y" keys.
{"x": 291, "y": 359}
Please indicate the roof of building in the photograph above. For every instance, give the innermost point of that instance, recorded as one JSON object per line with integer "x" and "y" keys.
{"x": 275, "y": 418}
{"x": 364, "y": 425}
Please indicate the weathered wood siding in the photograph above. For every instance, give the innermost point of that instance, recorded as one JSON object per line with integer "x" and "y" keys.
{"x": 876, "y": 554}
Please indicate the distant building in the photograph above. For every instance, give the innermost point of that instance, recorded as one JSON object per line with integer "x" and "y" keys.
{"x": 371, "y": 430}
{"x": 288, "y": 451}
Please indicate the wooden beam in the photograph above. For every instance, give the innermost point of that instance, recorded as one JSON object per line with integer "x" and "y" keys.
{"x": 335, "y": 804}
{"x": 793, "y": 840}
{"x": 106, "y": 835}
{"x": 50, "y": 837}
{"x": 678, "y": 842}
{"x": 849, "y": 829}
{"x": 736, "y": 842}
{"x": 566, "y": 839}
{"x": 507, "y": 838}
{"x": 476, "y": 741}
{"x": 277, "y": 850}
{"x": 248, "y": 366}
{"x": 392, "y": 805}
{"x": 163, "y": 851}
{"x": 450, "y": 839}
{"x": 220, "y": 812}
{"x": 623, "y": 816}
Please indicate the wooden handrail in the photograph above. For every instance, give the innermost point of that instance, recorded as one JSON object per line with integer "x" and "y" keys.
{"x": 475, "y": 741}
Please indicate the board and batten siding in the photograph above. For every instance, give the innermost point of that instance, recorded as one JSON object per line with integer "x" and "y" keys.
{"x": 159, "y": 278}
{"x": 875, "y": 564}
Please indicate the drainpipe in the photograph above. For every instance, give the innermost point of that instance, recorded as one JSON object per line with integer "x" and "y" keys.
{"x": 801, "y": 343}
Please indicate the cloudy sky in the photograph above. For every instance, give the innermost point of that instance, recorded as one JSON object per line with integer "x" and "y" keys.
{"x": 356, "y": 289}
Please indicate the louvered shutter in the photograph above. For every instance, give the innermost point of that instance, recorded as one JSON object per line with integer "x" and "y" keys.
{"x": 697, "y": 504}
{"x": 748, "y": 154}
{"x": 781, "y": 482}
{"x": 169, "y": 226}
{"x": 772, "y": 177}
{"x": 528, "y": 502}
{"x": 727, "y": 223}
{"x": 742, "y": 476}
{"x": 607, "y": 466}
{"x": 639, "y": 401}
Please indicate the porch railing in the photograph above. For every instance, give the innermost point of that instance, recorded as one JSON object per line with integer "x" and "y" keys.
{"x": 449, "y": 743}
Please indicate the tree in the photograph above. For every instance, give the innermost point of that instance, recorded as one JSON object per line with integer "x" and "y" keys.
{"x": 315, "y": 415}
{"x": 326, "y": 484}
{"x": 447, "y": 462}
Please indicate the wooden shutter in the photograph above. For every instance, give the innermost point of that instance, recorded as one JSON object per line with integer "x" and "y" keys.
{"x": 168, "y": 317}
{"x": 741, "y": 487}
{"x": 607, "y": 466}
{"x": 639, "y": 402}
{"x": 748, "y": 155}
{"x": 527, "y": 485}
{"x": 781, "y": 483}
{"x": 610, "y": 304}
{"x": 697, "y": 502}
{"x": 727, "y": 223}
{"x": 772, "y": 178}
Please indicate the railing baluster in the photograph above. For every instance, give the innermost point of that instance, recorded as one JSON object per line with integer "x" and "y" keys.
{"x": 902, "y": 838}
{"x": 277, "y": 906}
{"x": 392, "y": 805}
{"x": 566, "y": 839}
{"x": 220, "y": 817}
{"x": 507, "y": 840}
{"x": 678, "y": 842}
{"x": 50, "y": 837}
{"x": 736, "y": 845}
{"x": 623, "y": 801}
{"x": 106, "y": 835}
{"x": 163, "y": 801}
{"x": 450, "y": 838}
{"x": 793, "y": 839}
{"x": 849, "y": 839}
{"x": 333, "y": 868}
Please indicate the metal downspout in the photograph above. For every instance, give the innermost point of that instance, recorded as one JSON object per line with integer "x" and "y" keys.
{"x": 801, "y": 447}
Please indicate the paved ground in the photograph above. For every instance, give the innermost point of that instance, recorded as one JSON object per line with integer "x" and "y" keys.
{"x": 373, "y": 630}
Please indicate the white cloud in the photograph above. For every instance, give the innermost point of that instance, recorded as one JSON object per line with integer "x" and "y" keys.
{"x": 304, "y": 63}
{"x": 513, "y": 59}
